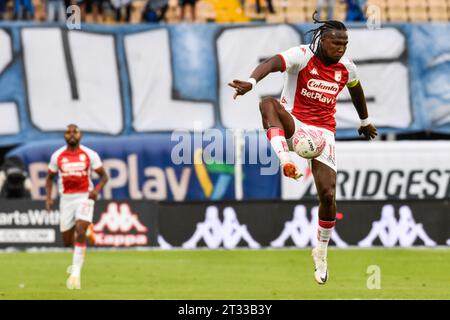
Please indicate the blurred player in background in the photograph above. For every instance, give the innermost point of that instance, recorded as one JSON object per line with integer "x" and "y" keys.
{"x": 74, "y": 163}
{"x": 315, "y": 74}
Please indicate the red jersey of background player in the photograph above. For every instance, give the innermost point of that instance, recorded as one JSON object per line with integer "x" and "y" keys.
{"x": 311, "y": 87}
{"x": 74, "y": 169}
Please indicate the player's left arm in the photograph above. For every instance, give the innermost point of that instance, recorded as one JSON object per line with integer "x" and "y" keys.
{"x": 367, "y": 128}
{"x": 97, "y": 166}
{"x": 103, "y": 180}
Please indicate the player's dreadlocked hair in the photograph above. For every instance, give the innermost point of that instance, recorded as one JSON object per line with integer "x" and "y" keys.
{"x": 318, "y": 32}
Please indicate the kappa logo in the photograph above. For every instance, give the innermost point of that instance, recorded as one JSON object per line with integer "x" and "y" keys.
{"x": 215, "y": 232}
{"x": 119, "y": 219}
{"x": 405, "y": 231}
{"x": 115, "y": 227}
{"x": 314, "y": 72}
{"x": 303, "y": 231}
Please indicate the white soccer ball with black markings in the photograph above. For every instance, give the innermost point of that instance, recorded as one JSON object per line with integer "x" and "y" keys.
{"x": 308, "y": 143}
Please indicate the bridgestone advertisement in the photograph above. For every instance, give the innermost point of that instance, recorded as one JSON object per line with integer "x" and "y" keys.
{"x": 260, "y": 224}
{"x": 381, "y": 170}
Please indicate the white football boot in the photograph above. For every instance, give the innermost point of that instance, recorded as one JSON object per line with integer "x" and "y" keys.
{"x": 73, "y": 282}
{"x": 69, "y": 269}
{"x": 320, "y": 265}
{"x": 291, "y": 170}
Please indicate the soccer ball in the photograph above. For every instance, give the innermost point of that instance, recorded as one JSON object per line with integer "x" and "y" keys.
{"x": 308, "y": 143}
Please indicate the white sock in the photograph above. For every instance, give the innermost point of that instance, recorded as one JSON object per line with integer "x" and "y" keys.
{"x": 279, "y": 144}
{"x": 78, "y": 259}
{"x": 324, "y": 234}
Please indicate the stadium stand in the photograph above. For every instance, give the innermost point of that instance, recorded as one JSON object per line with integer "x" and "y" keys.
{"x": 148, "y": 84}
{"x": 242, "y": 11}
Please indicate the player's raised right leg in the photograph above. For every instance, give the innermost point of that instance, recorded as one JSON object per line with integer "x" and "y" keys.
{"x": 279, "y": 125}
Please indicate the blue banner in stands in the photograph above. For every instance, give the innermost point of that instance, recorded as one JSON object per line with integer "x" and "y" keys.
{"x": 126, "y": 80}
{"x": 169, "y": 167}
{"x": 429, "y": 63}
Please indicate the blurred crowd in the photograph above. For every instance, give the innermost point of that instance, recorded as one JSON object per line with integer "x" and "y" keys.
{"x": 93, "y": 11}
{"x": 142, "y": 11}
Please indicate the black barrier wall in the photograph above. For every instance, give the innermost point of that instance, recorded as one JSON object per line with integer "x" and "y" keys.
{"x": 258, "y": 224}
{"x": 25, "y": 224}
{"x": 281, "y": 224}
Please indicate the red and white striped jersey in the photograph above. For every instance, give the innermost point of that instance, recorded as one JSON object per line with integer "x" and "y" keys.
{"x": 311, "y": 87}
{"x": 74, "y": 169}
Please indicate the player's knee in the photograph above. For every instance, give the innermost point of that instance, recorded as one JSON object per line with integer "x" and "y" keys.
{"x": 80, "y": 237}
{"x": 80, "y": 232}
{"x": 267, "y": 105}
{"x": 327, "y": 197}
{"x": 67, "y": 243}
{"x": 80, "y": 229}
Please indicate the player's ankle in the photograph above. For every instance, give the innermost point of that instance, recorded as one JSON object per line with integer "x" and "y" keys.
{"x": 76, "y": 271}
{"x": 322, "y": 245}
{"x": 321, "y": 248}
{"x": 284, "y": 157}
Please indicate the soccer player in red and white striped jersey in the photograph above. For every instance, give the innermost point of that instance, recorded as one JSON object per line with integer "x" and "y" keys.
{"x": 74, "y": 163}
{"x": 314, "y": 76}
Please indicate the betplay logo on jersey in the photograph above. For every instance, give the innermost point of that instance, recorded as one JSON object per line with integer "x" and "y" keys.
{"x": 120, "y": 227}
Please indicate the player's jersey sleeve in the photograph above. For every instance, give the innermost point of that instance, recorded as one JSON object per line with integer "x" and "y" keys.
{"x": 53, "y": 164}
{"x": 96, "y": 162}
{"x": 294, "y": 59}
{"x": 353, "y": 77}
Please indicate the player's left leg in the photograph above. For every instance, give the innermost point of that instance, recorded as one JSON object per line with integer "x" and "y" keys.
{"x": 84, "y": 215}
{"x": 325, "y": 180}
{"x": 68, "y": 237}
{"x": 78, "y": 254}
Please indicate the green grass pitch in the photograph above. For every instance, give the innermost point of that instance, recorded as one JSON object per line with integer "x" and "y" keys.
{"x": 229, "y": 275}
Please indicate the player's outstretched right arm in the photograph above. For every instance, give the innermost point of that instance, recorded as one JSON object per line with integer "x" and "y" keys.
{"x": 270, "y": 65}
{"x": 48, "y": 188}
